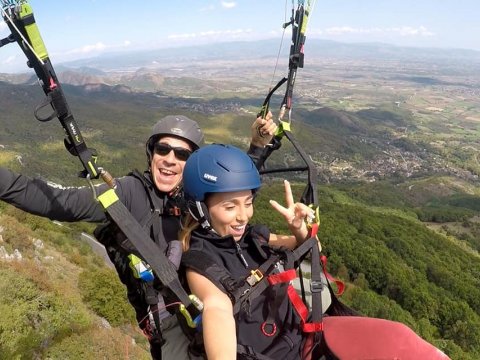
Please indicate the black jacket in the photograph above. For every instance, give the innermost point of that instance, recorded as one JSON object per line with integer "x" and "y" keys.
{"x": 253, "y": 248}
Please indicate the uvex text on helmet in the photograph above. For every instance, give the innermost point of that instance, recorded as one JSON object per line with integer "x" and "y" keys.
{"x": 218, "y": 168}
{"x": 178, "y": 126}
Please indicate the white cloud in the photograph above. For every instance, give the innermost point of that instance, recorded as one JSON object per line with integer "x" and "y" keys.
{"x": 229, "y": 4}
{"x": 409, "y": 31}
{"x": 212, "y": 35}
{"x": 401, "y": 30}
{"x": 340, "y": 30}
{"x": 9, "y": 60}
{"x": 182, "y": 36}
{"x": 88, "y": 49}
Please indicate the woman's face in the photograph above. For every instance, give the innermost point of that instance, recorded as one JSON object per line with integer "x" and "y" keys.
{"x": 230, "y": 212}
{"x": 166, "y": 166}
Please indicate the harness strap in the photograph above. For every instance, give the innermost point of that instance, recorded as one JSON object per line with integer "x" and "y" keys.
{"x": 282, "y": 277}
{"x": 149, "y": 251}
{"x": 340, "y": 284}
{"x": 21, "y": 22}
{"x": 156, "y": 203}
{"x": 316, "y": 287}
{"x": 157, "y": 206}
{"x": 247, "y": 353}
{"x": 205, "y": 265}
{"x": 277, "y": 295}
{"x": 293, "y": 258}
{"x": 251, "y": 291}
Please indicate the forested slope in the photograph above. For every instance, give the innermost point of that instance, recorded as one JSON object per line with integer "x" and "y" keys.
{"x": 397, "y": 268}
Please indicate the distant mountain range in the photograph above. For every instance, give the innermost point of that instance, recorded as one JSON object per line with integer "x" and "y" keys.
{"x": 393, "y": 132}
{"x": 263, "y": 49}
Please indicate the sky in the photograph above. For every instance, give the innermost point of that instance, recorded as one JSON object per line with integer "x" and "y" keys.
{"x": 73, "y": 29}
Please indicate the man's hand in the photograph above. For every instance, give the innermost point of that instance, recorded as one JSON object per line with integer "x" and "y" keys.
{"x": 263, "y": 130}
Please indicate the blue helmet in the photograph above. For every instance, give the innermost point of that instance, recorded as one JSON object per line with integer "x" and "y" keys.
{"x": 216, "y": 168}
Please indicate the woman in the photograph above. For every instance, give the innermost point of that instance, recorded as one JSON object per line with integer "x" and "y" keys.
{"x": 220, "y": 183}
{"x": 226, "y": 257}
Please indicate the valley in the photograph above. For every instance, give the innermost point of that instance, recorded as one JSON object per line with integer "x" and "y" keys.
{"x": 393, "y": 132}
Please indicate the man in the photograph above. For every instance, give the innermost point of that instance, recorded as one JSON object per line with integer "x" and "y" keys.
{"x": 155, "y": 200}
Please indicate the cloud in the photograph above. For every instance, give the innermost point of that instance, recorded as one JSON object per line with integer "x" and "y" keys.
{"x": 87, "y": 49}
{"x": 401, "y": 30}
{"x": 9, "y": 60}
{"x": 212, "y": 35}
{"x": 409, "y": 31}
{"x": 229, "y": 4}
{"x": 92, "y": 49}
{"x": 341, "y": 30}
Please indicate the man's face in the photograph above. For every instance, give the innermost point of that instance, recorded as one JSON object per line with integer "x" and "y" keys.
{"x": 167, "y": 164}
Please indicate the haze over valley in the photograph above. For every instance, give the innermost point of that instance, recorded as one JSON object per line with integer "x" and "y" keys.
{"x": 394, "y": 133}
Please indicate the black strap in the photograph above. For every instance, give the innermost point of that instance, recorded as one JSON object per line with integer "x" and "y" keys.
{"x": 9, "y": 39}
{"x": 19, "y": 17}
{"x": 157, "y": 206}
{"x": 276, "y": 297}
{"x": 148, "y": 250}
{"x": 316, "y": 287}
{"x": 298, "y": 21}
{"x": 221, "y": 277}
{"x": 298, "y": 254}
{"x": 251, "y": 291}
{"x": 206, "y": 266}
{"x": 156, "y": 202}
{"x": 247, "y": 353}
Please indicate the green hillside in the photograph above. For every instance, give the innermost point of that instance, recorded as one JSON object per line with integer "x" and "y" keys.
{"x": 60, "y": 301}
{"x": 396, "y": 267}
{"x": 406, "y": 244}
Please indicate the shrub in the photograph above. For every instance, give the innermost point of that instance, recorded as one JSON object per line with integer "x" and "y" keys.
{"x": 104, "y": 294}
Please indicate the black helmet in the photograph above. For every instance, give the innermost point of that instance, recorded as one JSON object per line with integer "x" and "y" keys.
{"x": 178, "y": 126}
{"x": 216, "y": 168}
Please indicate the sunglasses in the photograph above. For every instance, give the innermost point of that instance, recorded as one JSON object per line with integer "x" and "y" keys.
{"x": 163, "y": 149}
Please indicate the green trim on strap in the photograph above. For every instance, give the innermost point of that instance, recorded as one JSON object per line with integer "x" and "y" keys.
{"x": 26, "y": 14}
{"x": 108, "y": 198}
{"x": 92, "y": 168}
{"x": 286, "y": 126}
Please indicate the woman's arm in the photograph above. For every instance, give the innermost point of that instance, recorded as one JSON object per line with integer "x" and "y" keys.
{"x": 219, "y": 333}
{"x": 296, "y": 215}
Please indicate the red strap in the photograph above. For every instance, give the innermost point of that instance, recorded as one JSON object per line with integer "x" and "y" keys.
{"x": 313, "y": 230}
{"x": 53, "y": 86}
{"x": 282, "y": 277}
{"x": 297, "y": 303}
{"x": 312, "y": 327}
{"x": 302, "y": 311}
{"x": 339, "y": 283}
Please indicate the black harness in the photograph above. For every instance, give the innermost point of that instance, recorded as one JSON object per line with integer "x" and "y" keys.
{"x": 272, "y": 278}
{"x": 161, "y": 224}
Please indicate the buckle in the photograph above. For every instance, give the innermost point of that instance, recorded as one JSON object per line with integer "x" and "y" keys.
{"x": 316, "y": 286}
{"x": 255, "y": 277}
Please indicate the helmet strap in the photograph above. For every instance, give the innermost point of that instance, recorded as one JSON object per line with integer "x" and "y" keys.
{"x": 199, "y": 212}
{"x": 176, "y": 190}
